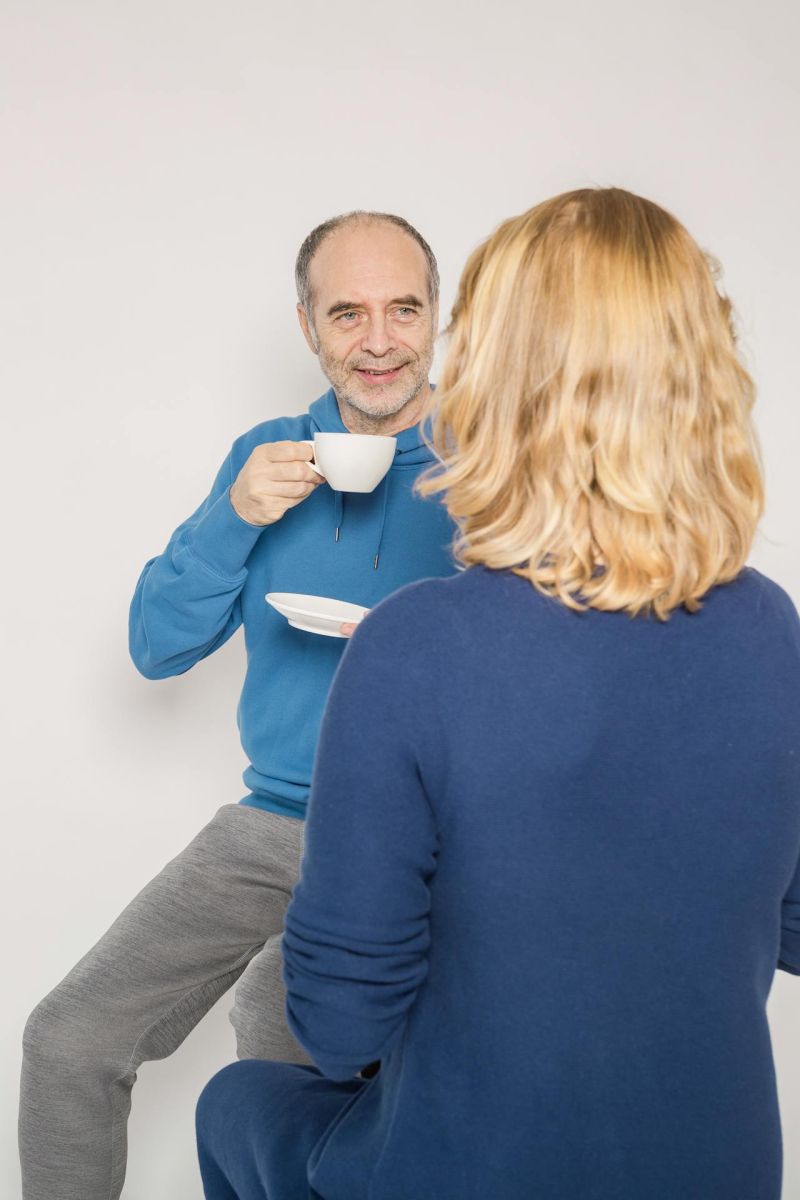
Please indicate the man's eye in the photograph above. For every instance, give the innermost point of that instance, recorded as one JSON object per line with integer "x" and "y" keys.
{"x": 344, "y": 316}
{"x": 406, "y": 312}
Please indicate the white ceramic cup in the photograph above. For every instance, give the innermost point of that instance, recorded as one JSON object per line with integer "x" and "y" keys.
{"x": 352, "y": 462}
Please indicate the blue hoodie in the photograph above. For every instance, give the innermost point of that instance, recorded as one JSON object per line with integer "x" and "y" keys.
{"x": 217, "y": 568}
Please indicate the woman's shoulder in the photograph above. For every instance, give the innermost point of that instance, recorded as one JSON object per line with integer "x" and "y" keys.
{"x": 433, "y": 601}
{"x": 442, "y": 616}
{"x": 766, "y": 591}
{"x": 773, "y": 612}
{"x": 418, "y": 616}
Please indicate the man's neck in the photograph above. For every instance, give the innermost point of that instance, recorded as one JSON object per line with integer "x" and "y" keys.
{"x": 357, "y": 421}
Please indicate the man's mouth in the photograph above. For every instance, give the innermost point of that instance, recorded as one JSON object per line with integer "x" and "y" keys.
{"x": 374, "y": 377}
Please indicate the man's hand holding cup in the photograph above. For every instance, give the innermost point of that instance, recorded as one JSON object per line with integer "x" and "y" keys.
{"x": 276, "y": 477}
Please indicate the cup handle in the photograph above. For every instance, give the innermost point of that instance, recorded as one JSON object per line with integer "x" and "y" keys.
{"x": 312, "y": 464}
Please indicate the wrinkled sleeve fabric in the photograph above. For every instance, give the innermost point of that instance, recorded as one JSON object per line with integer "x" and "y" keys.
{"x": 187, "y": 600}
{"x": 357, "y": 928}
{"x": 789, "y": 957}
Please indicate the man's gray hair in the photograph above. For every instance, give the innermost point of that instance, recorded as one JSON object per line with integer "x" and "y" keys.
{"x": 318, "y": 235}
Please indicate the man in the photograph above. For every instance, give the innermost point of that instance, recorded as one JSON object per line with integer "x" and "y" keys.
{"x": 367, "y": 304}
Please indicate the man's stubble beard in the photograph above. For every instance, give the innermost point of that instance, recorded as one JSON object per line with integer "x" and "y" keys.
{"x": 348, "y": 392}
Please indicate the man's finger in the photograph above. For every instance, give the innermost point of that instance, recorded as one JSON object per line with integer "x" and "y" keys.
{"x": 287, "y": 451}
{"x": 291, "y": 471}
{"x": 348, "y": 628}
{"x": 291, "y": 490}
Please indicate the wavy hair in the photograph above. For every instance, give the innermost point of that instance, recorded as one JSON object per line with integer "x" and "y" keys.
{"x": 593, "y": 420}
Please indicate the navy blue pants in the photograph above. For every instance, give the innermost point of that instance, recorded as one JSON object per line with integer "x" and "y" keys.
{"x": 257, "y": 1123}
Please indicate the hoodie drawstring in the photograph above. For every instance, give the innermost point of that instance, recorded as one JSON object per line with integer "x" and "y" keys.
{"x": 383, "y": 518}
{"x": 339, "y": 512}
{"x": 338, "y": 509}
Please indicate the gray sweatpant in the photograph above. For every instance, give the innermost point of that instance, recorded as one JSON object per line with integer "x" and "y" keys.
{"x": 213, "y": 915}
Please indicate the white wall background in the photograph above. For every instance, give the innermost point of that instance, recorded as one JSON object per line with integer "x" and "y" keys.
{"x": 162, "y": 160}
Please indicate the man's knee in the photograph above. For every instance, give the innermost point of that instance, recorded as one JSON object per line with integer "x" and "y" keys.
{"x": 52, "y": 1030}
{"x": 62, "y": 1031}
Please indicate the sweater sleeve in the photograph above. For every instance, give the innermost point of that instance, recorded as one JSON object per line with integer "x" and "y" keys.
{"x": 789, "y": 953}
{"x": 789, "y": 956}
{"x": 357, "y": 928}
{"x": 186, "y": 602}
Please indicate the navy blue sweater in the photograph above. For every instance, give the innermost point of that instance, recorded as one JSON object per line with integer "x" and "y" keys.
{"x": 551, "y": 868}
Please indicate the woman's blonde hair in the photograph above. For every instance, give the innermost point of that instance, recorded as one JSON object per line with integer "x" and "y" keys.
{"x": 593, "y": 421}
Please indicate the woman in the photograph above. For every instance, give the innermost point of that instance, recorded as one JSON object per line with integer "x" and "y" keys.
{"x": 552, "y": 851}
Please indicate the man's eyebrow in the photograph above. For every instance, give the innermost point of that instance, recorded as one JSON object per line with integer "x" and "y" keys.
{"x": 343, "y": 306}
{"x": 409, "y": 301}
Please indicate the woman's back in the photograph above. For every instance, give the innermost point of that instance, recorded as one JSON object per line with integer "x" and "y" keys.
{"x": 617, "y": 812}
{"x": 552, "y": 847}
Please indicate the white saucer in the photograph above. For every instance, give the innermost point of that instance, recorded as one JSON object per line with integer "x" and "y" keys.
{"x": 315, "y": 614}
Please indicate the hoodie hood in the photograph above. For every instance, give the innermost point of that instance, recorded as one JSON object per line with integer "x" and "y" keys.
{"x": 410, "y": 451}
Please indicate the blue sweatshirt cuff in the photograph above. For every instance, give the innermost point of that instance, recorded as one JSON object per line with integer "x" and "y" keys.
{"x": 222, "y": 540}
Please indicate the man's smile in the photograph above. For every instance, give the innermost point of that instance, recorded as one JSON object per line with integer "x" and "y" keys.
{"x": 373, "y": 377}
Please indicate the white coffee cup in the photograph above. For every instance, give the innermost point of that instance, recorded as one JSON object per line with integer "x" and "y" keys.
{"x": 352, "y": 462}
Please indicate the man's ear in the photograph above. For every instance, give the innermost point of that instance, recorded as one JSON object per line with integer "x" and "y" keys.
{"x": 308, "y": 332}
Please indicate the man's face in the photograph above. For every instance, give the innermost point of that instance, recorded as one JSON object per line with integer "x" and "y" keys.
{"x": 372, "y": 316}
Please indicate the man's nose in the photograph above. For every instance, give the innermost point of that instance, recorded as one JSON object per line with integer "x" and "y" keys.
{"x": 377, "y": 337}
